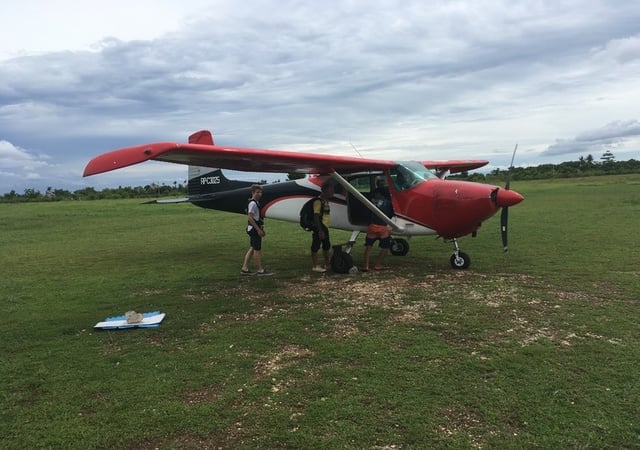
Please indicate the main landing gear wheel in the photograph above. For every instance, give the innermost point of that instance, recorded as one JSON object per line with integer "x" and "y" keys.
{"x": 399, "y": 247}
{"x": 460, "y": 260}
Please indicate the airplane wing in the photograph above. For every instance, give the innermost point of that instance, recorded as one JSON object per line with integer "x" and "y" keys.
{"x": 201, "y": 151}
{"x": 454, "y": 165}
{"x": 233, "y": 158}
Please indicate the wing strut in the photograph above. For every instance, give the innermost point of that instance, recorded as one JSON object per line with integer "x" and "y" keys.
{"x": 366, "y": 202}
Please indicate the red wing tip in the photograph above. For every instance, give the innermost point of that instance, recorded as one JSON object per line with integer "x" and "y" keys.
{"x": 125, "y": 157}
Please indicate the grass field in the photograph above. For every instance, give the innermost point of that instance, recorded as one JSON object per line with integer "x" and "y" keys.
{"x": 536, "y": 349}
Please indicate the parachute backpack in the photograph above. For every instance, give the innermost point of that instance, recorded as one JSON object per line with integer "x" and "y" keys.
{"x": 306, "y": 215}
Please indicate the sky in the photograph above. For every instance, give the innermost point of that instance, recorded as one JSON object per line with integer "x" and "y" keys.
{"x": 395, "y": 79}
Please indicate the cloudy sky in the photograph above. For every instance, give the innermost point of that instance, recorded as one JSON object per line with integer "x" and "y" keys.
{"x": 396, "y": 79}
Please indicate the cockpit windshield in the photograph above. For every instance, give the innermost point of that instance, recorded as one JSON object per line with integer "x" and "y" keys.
{"x": 407, "y": 174}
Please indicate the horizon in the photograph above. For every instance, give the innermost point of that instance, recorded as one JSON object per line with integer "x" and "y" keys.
{"x": 272, "y": 177}
{"x": 396, "y": 79}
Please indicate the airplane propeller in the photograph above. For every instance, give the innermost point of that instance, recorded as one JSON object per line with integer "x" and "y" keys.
{"x": 504, "y": 216}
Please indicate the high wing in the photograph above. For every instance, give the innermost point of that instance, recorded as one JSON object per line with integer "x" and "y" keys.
{"x": 201, "y": 151}
{"x": 234, "y": 158}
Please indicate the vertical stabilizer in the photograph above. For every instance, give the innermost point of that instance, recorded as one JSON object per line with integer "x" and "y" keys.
{"x": 203, "y": 137}
{"x": 207, "y": 180}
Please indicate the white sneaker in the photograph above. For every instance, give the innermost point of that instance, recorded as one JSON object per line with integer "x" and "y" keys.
{"x": 319, "y": 269}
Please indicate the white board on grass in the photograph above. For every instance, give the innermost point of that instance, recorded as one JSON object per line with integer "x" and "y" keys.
{"x": 149, "y": 320}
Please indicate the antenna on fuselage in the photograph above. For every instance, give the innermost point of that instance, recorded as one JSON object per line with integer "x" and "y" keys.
{"x": 354, "y": 147}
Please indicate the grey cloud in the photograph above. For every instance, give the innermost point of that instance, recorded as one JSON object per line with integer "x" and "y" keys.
{"x": 613, "y": 130}
{"x": 596, "y": 141}
{"x": 14, "y": 157}
{"x": 622, "y": 51}
{"x": 265, "y": 62}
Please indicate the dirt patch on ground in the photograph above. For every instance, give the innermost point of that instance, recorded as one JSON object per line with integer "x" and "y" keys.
{"x": 195, "y": 397}
{"x": 287, "y": 356}
{"x": 513, "y": 307}
{"x": 226, "y": 441}
{"x": 346, "y": 300}
{"x": 463, "y": 422}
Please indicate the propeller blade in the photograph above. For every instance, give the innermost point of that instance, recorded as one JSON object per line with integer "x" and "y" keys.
{"x": 504, "y": 218}
{"x": 506, "y": 186}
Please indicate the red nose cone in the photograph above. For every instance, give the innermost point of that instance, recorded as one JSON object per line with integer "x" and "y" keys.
{"x": 507, "y": 197}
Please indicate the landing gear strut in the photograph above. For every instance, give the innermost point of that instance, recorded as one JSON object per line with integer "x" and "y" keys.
{"x": 459, "y": 260}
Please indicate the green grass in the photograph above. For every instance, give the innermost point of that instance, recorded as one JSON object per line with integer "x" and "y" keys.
{"x": 536, "y": 349}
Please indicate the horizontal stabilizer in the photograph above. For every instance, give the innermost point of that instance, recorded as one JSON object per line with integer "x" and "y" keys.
{"x": 168, "y": 200}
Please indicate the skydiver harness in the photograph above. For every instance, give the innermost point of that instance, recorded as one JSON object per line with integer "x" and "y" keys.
{"x": 259, "y": 222}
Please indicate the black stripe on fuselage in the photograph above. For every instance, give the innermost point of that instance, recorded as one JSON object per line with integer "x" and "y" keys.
{"x": 235, "y": 200}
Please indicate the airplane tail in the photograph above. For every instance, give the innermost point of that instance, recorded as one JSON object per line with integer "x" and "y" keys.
{"x": 205, "y": 181}
{"x": 203, "y": 137}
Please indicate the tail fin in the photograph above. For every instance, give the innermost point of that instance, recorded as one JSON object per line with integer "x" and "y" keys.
{"x": 207, "y": 180}
{"x": 203, "y": 137}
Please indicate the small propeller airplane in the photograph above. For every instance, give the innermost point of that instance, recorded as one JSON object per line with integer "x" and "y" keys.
{"x": 424, "y": 203}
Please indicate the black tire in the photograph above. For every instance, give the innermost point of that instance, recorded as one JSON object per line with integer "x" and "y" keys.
{"x": 461, "y": 262}
{"x": 399, "y": 247}
{"x": 341, "y": 262}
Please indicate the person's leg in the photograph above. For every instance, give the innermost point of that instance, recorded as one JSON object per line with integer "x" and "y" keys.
{"x": 385, "y": 245}
{"x": 368, "y": 245}
{"x": 383, "y": 253}
{"x": 315, "y": 246}
{"x": 326, "y": 247}
{"x": 247, "y": 258}
{"x": 367, "y": 255}
{"x": 257, "y": 258}
{"x": 256, "y": 245}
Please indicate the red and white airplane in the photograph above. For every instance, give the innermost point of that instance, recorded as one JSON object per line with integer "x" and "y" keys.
{"x": 425, "y": 204}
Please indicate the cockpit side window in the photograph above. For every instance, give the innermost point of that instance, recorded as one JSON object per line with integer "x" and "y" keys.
{"x": 408, "y": 174}
{"x": 362, "y": 183}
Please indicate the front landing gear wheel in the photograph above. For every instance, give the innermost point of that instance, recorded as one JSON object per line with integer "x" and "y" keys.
{"x": 460, "y": 260}
{"x": 399, "y": 247}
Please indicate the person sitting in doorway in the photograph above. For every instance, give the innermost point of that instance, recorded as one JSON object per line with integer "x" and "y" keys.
{"x": 378, "y": 230}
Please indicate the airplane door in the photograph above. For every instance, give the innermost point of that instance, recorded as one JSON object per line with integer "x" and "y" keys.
{"x": 359, "y": 214}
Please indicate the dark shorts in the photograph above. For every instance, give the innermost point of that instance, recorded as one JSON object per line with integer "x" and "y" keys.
{"x": 384, "y": 242}
{"x": 378, "y": 232}
{"x": 255, "y": 240}
{"x": 316, "y": 242}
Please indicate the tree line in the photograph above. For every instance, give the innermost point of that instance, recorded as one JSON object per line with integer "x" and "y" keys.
{"x": 90, "y": 193}
{"x": 583, "y": 167}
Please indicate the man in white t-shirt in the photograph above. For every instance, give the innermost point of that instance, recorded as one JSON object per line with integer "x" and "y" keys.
{"x": 255, "y": 230}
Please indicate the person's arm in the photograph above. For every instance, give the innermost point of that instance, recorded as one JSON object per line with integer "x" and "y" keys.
{"x": 317, "y": 217}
